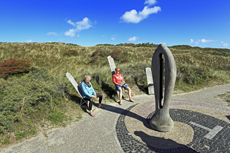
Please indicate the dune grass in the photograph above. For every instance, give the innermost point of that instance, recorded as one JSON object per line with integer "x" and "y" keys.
{"x": 42, "y": 97}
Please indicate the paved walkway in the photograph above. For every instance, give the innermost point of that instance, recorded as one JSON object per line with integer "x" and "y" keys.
{"x": 101, "y": 133}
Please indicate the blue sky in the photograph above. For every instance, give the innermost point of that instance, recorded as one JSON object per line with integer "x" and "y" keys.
{"x": 203, "y": 23}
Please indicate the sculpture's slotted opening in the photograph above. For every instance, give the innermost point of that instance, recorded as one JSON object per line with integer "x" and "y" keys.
{"x": 162, "y": 79}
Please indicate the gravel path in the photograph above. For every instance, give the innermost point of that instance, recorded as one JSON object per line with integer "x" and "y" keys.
{"x": 98, "y": 134}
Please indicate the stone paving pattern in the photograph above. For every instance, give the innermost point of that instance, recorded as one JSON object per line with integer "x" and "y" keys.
{"x": 129, "y": 144}
{"x": 99, "y": 133}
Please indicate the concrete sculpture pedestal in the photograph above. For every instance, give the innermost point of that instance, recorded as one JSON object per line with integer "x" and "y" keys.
{"x": 161, "y": 120}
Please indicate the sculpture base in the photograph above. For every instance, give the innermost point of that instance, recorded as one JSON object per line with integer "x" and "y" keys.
{"x": 161, "y": 123}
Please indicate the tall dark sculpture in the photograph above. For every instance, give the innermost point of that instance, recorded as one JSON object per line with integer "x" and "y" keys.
{"x": 161, "y": 120}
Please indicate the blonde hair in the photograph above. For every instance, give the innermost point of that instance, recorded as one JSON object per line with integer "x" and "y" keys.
{"x": 117, "y": 69}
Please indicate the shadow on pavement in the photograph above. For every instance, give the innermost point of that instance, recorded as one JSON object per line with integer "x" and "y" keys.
{"x": 228, "y": 117}
{"x": 127, "y": 113}
{"x": 163, "y": 145}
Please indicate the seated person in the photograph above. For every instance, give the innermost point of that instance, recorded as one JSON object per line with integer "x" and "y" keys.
{"x": 119, "y": 82}
{"x": 88, "y": 93}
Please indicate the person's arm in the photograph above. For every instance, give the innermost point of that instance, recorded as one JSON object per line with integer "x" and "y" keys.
{"x": 94, "y": 93}
{"x": 123, "y": 78}
{"x": 114, "y": 80}
{"x": 85, "y": 91}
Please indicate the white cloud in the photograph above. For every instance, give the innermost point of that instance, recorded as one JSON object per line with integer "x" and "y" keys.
{"x": 84, "y": 24}
{"x": 70, "y": 33}
{"x": 201, "y": 41}
{"x": 80, "y": 25}
{"x": 52, "y": 33}
{"x": 113, "y": 37}
{"x": 103, "y": 35}
{"x": 163, "y": 43}
{"x": 70, "y": 22}
{"x": 204, "y": 40}
{"x": 223, "y": 44}
{"x": 132, "y": 39}
{"x": 29, "y": 41}
{"x": 150, "y": 2}
{"x": 134, "y": 17}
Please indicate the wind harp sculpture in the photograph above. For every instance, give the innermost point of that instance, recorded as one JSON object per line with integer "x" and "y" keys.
{"x": 161, "y": 120}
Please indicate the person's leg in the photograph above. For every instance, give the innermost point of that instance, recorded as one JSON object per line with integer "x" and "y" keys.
{"x": 100, "y": 96}
{"x": 129, "y": 93}
{"x": 90, "y": 105}
{"x": 120, "y": 92}
{"x": 120, "y": 95}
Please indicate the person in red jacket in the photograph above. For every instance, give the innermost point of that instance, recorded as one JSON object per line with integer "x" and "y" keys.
{"x": 119, "y": 82}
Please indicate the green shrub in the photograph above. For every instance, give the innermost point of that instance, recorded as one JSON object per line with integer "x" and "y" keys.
{"x": 19, "y": 135}
{"x": 28, "y": 95}
{"x": 94, "y": 59}
{"x": 117, "y": 55}
{"x": 71, "y": 53}
{"x": 105, "y": 45}
{"x": 194, "y": 75}
{"x": 6, "y": 141}
{"x": 100, "y": 53}
{"x": 56, "y": 117}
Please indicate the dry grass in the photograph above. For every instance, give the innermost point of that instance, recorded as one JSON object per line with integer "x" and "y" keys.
{"x": 197, "y": 68}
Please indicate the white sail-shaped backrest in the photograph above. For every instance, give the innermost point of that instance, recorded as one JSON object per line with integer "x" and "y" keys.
{"x": 74, "y": 83}
{"x": 111, "y": 64}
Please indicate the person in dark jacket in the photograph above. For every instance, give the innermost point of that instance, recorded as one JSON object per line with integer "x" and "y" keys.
{"x": 88, "y": 93}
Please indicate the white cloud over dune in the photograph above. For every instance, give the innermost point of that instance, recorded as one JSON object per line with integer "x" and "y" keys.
{"x": 223, "y": 44}
{"x": 201, "y": 41}
{"x": 79, "y": 26}
{"x": 134, "y": 17}
{"x": 29, "y": 41}
{"x": 70, "y": 33}
{"x": 52, "y": 33}
{"x": 132, "y": 39}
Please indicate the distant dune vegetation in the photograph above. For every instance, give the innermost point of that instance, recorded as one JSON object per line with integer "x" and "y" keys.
{"x": 36, "y": 95}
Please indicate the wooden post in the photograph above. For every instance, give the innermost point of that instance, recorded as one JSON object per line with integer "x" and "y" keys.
{"x": 149, "y": 80}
